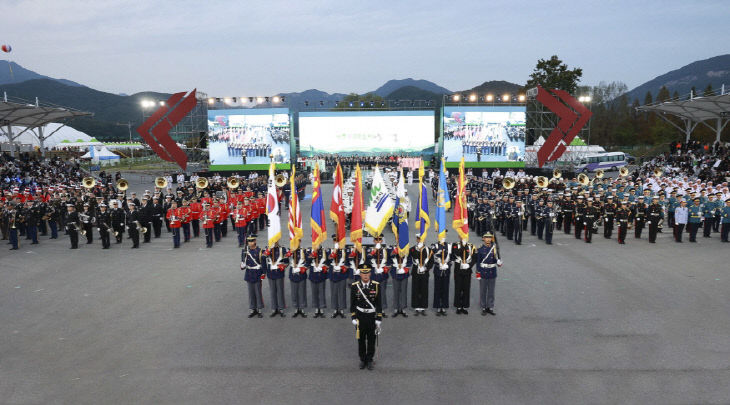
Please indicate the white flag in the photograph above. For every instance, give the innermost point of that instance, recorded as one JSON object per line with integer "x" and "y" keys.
{"x": 380, "y": 208}
{"x": 272, "y": 210}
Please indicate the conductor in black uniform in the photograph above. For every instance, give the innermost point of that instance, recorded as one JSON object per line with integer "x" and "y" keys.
{"x": 367, "y": 313}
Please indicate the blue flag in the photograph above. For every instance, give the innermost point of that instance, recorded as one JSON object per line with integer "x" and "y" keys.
{"x": 422, "y": 218}
{"x": 443, "y": 202}
{"x": 400, "y": 218}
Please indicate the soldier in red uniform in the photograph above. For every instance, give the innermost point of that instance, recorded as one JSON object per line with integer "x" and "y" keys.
{"x": 174, "y": 216}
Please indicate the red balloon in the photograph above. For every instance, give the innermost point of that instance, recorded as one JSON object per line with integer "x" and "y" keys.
{"x": 6, "y": 48}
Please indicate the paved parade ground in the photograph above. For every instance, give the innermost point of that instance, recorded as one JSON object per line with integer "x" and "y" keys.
{"x": 576, "y": 323}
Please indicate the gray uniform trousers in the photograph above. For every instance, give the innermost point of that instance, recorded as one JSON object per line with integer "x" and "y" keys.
{"x": 486, "y": 292}
{"x": 319, "y": 294}
{"x": 338, "y": 295}
{"x": 255, "y": 298}
{"x": 400, "y": 294}
{"x": 299, "y": 294}
{"x": 277, "y": 294}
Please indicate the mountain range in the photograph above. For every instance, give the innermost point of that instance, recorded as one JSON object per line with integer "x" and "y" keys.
{"x": 111, "y": 110}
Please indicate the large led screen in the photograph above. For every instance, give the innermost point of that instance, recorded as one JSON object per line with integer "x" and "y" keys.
{"x": 484, "y": 133}
{"x": 248, "y": 136}
{"x": 395, "y": 133}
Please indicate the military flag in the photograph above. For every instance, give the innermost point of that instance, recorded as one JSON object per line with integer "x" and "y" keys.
{"x": 337, "y": 208}
{"x": 357, "y": 211}
{"x": 380, "y": 208}
{"x": 272, "y": 209}
{"x": 422, "y": 218}
{"x": 443, "y": 202}
{"x": 318, "y": 222}
{"x": 400, "y": 218}
{"x": 461, "y": 216}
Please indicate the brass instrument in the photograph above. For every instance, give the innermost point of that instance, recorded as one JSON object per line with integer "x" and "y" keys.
{"x": 600, "y": 173}
{"x": 88, "y": 182}
{"x": 583, "y": 179}
{"x": 160, "y": 182}
{"x": 658, "y": 172}
{"x": 623, "y": 172}
{"x": 541, "y": 182}
{"x": 233, "y": 182}
{"x": 122, "y": 184}
{"x": 279, "y": 180}
{"x": 508, "y": 183}
{"x": 79, "y": 228}
{"x": 140, "y": 227}
{"x": 557, "y": 173}
{"x": 201, "y": 182}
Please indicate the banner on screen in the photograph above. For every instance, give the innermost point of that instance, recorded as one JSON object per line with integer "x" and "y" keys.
{"x": 484, "y": 133}
{"x": 248, "y": 136}
{"x": 409, "y": 133}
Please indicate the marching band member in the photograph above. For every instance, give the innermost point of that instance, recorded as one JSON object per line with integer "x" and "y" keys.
{"x": 421, "y": 257}
{"x": 276, "y": 261}
{"x": 195, "y": 211}
{"x": 378, "y": 259}
{"x": 251, "y": 262}
{"x": 103, "y": 220}
{"x": 550, "y": 218}
{"x": 487, "y": 257}
{"x": 338, "y": 278}
{"x": 463, "y": 252}
{"x": 87, "y": 221}
{"x": 239, "y": 222}
{"x": 318, "y": 274}
{"x": 208, "y": 216}
{"x": 145, "y": 216}
{"x": 73, "y": 225}
{"x": 655, "y": 214}
{"x": 118, "y": 220}
{"x": 623, "y": 218}
{"x": 185, "y": 214}
{"x": 133, "y": 224}
{"x": 173, "y": 217}
{"x": 298, "y": 263}
{"x": 157, "y": 216}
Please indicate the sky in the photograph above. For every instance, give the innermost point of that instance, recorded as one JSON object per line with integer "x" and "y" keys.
{"x": 259, "y": 48}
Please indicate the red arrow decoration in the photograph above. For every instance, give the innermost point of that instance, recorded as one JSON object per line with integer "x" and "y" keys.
{"x": 573, "y": 117}
{"x": 156, "y": 129}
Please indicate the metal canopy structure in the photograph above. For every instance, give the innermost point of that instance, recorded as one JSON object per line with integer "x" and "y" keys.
{"x": 33, "y": 117}
{"x": 694, "y": 111}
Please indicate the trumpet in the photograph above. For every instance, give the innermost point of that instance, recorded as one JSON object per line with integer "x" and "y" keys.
{"x": 233, "y": 182}
{"x": 160, "y": 182}
{"x": 201, "y": 182}
{"x": 122, "y": 184}
{"x": 88, "y": 182}
{"x": 508, "y": 183}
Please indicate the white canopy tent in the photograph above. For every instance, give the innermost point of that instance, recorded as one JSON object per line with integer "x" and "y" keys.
{"x": 102, "y": 155}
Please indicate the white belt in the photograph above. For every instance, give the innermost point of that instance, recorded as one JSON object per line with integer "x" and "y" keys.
{"x": 490, "y": 266}
{"x": 366, "y": 310}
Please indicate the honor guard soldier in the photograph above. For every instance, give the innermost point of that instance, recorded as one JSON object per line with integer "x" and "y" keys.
{"x": 421, "y": 257}
{"x": 73, "y": 225}
{"x": 355, "y": 258}
{"x": 251, "y": 263}
{"x": 681, "y": 215}
{"x": 695, "y": 219}
{"x": 550, "y": 213}
{"x": 609, "y": 213}
{"x": 299, "y": 262}
{"x": 173, "y": 218}
{"x": 464, "y": 253}
{"x": 103, "y": 220}
{"x": 276, "y": 262}
{"x": 487, "y": 259}
{"x": 639, "y": 217}
{"x": 725, "y": 219}
{"x": 655, "y": 214}
{"x": 401, "y": 265}
{"x": 378, "y": 259}
{"x": 441, "y": 274}
{"x": 367, "y": 314}
{"x": 623, "y": 218}
{"x": 133, "y": 224}
{"x": 338, "y": 278}
{"x": 318, "y": 274}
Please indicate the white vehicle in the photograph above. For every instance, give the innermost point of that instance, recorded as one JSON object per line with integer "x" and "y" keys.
{"x": 606, "y": 161}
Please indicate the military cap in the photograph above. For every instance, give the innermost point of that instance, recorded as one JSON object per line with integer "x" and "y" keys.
{"x": 488, "y": 235}
{"x": 251, "y": 238}
{"x": 364, "y": 269}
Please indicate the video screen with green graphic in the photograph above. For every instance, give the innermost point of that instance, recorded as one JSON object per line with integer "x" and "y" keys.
{"x": 363, "y": 133}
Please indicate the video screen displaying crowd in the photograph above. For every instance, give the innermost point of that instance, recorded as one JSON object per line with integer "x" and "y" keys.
{"x": 251, "y": 142}
{"x": 488, "y": 141}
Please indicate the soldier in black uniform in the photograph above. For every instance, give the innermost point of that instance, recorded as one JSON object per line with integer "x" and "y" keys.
{"x": 463, "y": 254}
{"x": 590, "y": 215}
{"x": 133, "y": 224}
{"x": 367, "y": 314}
{"x": 609, "y": 212}
{"x": 73, "y": 225}
{"x": 655, "y": 214}
{"x": 145, "y": 218}
{"x": 103, "y": 220}
{"x": 579, "y": 209}
{"x": 157, "y": 213}
{"x": 117, "y": 220}
{"x": 567, "y": 208}
{"x": 639, "y": 217}
{"x": 87, "y": 222}
{"x": 623, "y": 217}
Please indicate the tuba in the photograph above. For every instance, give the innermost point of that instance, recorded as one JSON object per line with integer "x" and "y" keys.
{"x": 201, "y": 182}
{"x": 600, "y": 173}
{"x": 233, "y": 182}
{"x": 542, "y": 182}
{"x": 279, "y": 180}
{"x": 88, "y": 182}
{"x": 658, "y": 172}
{"x": 122, "y": 185}
{"x": 557, "y": 173}
{"x": 160, "y": 182}
{"x": 623, "y": 172}
{"x": 508, "y": 183}
{"x": 583, "y": 179}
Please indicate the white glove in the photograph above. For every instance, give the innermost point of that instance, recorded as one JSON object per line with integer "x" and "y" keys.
{"x": 378, "y": 270}
{"x": 401, "y": 271}
{"x": 243, "y": 266}
{"x": 458, "y": 259}
{"x": 464, "y": 266}
{"x": 377, "y": 324}
{"x": 354, "y": 322}
{"x": 499, "y": 262}
{"x": 356, "y": 272}
{"x": 444, "y": 267}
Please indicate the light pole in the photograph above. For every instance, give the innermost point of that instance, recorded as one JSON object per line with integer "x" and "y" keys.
{"x": 129, "y": 126}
